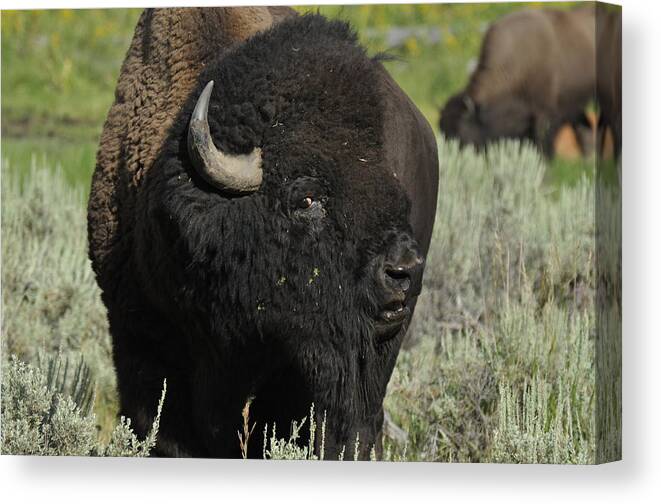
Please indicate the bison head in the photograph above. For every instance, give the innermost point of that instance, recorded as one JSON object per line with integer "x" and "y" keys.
{"x": 478, "y": 124}
{"x": 274, "y": 240}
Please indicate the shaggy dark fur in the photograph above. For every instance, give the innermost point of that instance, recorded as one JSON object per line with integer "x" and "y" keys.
{"x": 536, "y": 72}
{"x": 234, "y": 297}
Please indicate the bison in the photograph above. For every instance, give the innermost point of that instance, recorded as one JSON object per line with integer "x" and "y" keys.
{"x": 259, "y": 217}
{"x": 536, "y": 71}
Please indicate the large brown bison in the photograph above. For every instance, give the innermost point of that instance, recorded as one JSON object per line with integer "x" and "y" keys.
{"x": 536, "y": 71}
{"x": 258, "y": 221}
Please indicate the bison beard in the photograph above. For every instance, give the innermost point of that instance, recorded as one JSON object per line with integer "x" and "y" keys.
{"x": 299, "y": 292}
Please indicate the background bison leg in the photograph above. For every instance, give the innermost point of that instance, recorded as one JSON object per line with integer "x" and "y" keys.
{"x": 546, "y": 128}
{"x": 584, "y": 129}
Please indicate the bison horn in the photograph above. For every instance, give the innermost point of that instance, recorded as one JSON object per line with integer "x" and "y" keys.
{"x": 237, "y": 174}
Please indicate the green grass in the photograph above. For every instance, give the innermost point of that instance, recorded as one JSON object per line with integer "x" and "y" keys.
{"x": 59, "y": 71}
{"x": 75, "y": 160}
{"x": 60, "y": 68}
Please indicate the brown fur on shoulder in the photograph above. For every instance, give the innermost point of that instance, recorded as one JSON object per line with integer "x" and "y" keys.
{"x": 169, "y": 49}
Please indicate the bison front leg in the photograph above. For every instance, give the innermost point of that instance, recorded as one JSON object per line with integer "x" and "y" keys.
{"x": 218, "y": 397}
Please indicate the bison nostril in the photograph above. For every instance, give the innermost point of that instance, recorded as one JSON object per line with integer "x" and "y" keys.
{"x": 400, "y": 275}
{"x": 397, "y": 272}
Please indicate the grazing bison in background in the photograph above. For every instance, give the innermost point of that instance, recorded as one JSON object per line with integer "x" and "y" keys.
{"x": 259, "y": 216}
{"x": 536, "y": 71}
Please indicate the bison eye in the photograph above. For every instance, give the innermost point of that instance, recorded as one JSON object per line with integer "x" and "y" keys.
{"x": 306, "y": 202}
{"x": 306, "y": 199}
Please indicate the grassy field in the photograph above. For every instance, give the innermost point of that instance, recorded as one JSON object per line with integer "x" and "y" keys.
{"x": 499, "y": 365}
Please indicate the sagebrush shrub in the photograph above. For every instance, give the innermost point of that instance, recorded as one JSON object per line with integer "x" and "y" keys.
{"x": 50, "y": 300}
{"x": 46, "y": 413}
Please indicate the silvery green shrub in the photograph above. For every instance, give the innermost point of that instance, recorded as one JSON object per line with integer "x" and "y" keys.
{"x": 50, "y": 299}
{"x": 45, "y": 414}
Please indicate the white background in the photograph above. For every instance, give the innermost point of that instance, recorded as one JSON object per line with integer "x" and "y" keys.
{"x": 635, "y": 479}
